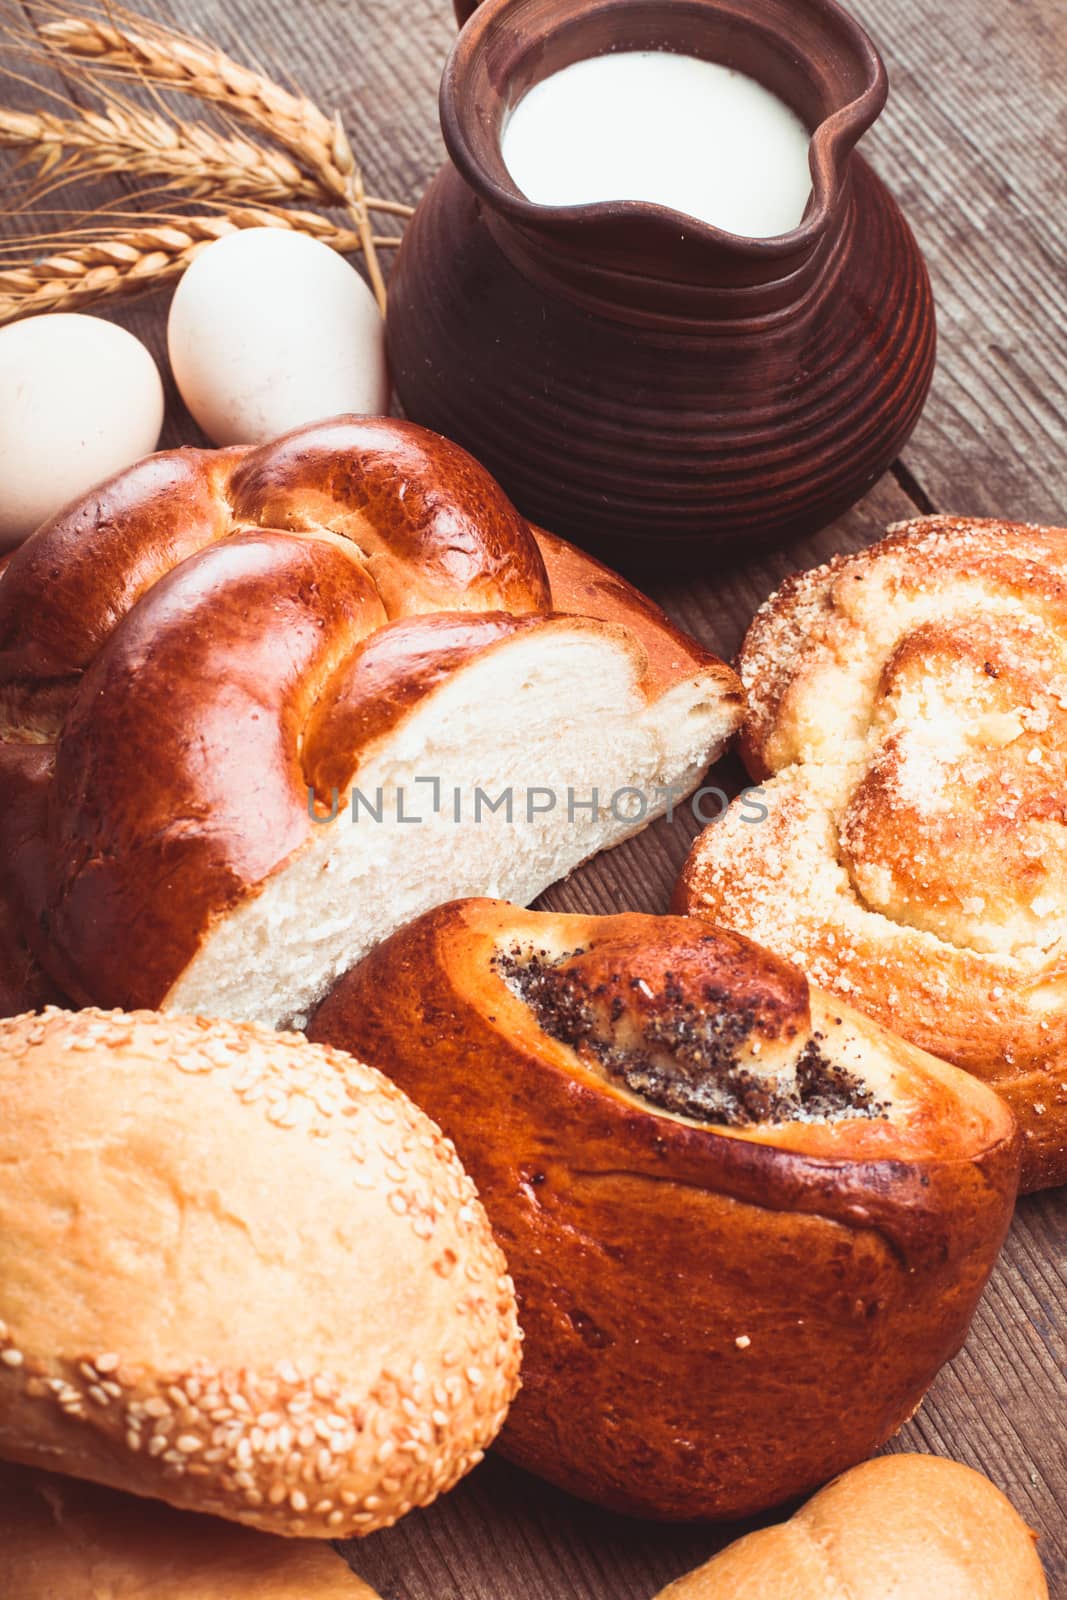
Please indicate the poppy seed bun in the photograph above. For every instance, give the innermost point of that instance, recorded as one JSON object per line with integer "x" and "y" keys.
{"x": 746, "y": 1225}
{"x": 908, "y": 1526}
{"x": 64, "y": 1540}
{"x": 240, "y": 1273}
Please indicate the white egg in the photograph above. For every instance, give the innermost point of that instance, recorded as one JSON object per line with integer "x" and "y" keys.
{"x": 269, "y": 329}
{"x": 80, "y": 398}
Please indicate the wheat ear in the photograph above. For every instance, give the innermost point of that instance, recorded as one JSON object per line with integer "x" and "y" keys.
{"x": 127, "y": 139}
{"x": 127, "y": 45}
{"x": 140, "y": 258}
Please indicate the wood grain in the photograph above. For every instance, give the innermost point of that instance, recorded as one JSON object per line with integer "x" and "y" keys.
{"x": 974, "y": 144}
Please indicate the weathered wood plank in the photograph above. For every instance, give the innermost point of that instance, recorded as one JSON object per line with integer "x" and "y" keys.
{"x": 974, "y": 144}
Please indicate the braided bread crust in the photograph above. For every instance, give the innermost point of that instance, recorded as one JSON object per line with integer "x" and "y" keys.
{"x": 212, "y": 650}
{"x": 908, "y": 713}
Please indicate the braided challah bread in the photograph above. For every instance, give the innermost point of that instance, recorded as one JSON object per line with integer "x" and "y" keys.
{"x": 230, "y": 680}
{"x": 746, "y": 1225}
{"x": 909, "y": 718}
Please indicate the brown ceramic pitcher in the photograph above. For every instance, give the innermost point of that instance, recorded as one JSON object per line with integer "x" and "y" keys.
{"x": 636, "y": 378}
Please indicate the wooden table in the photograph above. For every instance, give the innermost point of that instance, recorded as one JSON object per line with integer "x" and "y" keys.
{"x": 974, "y": 144}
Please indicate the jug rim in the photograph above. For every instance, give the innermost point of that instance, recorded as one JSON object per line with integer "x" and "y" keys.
{"x": 471, "y": 141}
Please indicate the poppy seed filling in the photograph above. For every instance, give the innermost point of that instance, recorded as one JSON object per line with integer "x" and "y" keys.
{"x": 682, "y": 1057}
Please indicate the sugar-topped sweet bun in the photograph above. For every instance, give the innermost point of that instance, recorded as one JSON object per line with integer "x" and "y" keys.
{"x": 746, "y": 1224}
{"x": 62, "y": 1539}
{"x": 241, "y": 1273}
{"x": 908, "y": 727}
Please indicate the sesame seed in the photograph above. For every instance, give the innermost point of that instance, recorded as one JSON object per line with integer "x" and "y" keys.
{"x": 742, "y": 1341}
{"x": 107, "y": 1363}
{"x": 298, "y": 1500}
{"x": 188, "y": 1443}
{"x": 11, "y": 1358}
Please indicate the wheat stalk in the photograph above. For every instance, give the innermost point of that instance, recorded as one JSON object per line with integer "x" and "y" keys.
{"x": 128, "y": 139}
{"x": 141, "y": 257}
{"x": 121, "y": 43}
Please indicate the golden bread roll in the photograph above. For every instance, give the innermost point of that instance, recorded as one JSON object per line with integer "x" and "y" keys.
{"x": 903, "y": 1527}
{"x": 908, "y": 725}
{"x": 231, "y": 681}
{"x": 65, "y": 1540}
{"x": 241, "y": 1273}
{"x": 746, "y": 1225}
